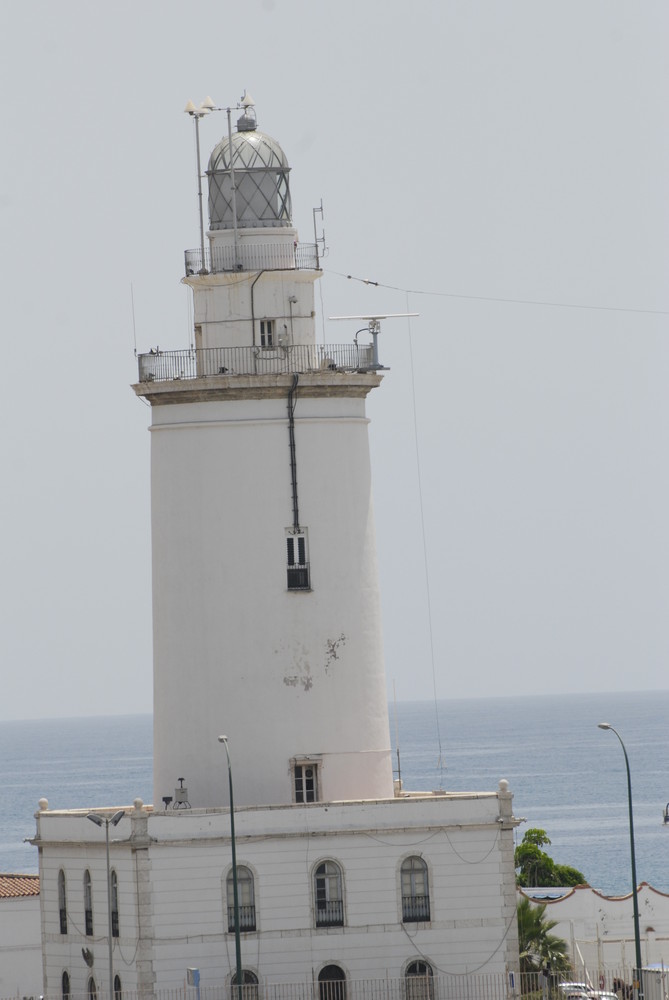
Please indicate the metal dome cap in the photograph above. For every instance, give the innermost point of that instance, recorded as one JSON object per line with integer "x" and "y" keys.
{"x": 260, "y": 171}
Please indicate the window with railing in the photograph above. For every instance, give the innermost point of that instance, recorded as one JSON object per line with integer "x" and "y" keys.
{"x": 249, "y": 985}
{"x": 118, "y": 992}
{"x": 245, "y": 897}
{"x": 332, "y": 983}
{"x": 329, "y": 895}
{"x": 415, "y": 891}
{"x": 65, "y": 986}
{"x": 62, "y": 902}
{"x": 88, "y": 903}
{"x": 419, "y": 981}
{"x": 92, "y": 989}
{"x": 297, "y": 559}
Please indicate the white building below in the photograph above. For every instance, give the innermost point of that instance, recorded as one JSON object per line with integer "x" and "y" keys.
{"x": 376, "y": 890}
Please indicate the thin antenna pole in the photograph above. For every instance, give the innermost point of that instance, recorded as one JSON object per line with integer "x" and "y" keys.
{"x": 134, "y": 328}
{"x": 196, "y": 119}
{"x": 397, "y": 739}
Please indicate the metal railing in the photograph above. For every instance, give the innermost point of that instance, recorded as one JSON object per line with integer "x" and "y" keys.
{"x": 330, "y": 913}
{"x": 247, "y": 917}
{"x": 415, "y": 909}
{"x": 161, "y": 366}
{"x": 286, "y": 256}
{"x": 494, "y": 986}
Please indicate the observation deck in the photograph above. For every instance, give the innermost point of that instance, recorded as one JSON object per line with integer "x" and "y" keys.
{"x": 275, "y": 256}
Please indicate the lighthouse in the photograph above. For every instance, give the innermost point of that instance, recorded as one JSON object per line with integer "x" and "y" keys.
{"x": 266, "y": 612}
{"x": 322, "y": 877}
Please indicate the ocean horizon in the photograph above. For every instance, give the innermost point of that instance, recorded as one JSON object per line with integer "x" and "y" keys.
{"x": 567, "y": 776}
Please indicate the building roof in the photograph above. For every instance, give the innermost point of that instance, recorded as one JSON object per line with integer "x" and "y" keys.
{"x": 14, "y": 886}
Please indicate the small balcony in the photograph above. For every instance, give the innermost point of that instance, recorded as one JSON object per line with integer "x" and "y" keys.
{"x": 247, "y": 918}
{"x": 161, "y": 366}
{"x": 279, "y": 256}
{"x": 415, "y": 909}
{"x": 330, "y": 913}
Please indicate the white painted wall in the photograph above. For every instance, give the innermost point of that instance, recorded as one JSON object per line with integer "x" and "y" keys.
{"x": 281, "y": 673}
{"x": 599, "y": 929}
{"x": 20, "y": 947}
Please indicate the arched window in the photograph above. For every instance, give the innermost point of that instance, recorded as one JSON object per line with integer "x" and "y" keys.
{"x": 92, "y": 989}
{"x": 88, "y": 906}
{"x": 246, "y": 898}
{"x": 114, "y": 903}
{"x": 332, "y": 983}
{"x": 328, "y": 895}
{"x": 117, "y": 988}
{"x": 249, "y": 985}
{"x": 62, "y": 902}
{"x": 65, "y": 986}
{"x": 419, "y": 981}
{"x": 415, "y": 891}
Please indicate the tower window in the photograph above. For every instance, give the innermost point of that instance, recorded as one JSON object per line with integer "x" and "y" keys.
{"x": 305, "y": 778}
{"x": 298, "y": 563}
{"x": 267, "y": 333}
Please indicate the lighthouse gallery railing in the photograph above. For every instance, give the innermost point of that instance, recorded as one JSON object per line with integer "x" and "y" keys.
{"x": 159, "y": 366}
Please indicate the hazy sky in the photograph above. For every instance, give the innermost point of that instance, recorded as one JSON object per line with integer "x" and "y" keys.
{"x": 469, "y": 152}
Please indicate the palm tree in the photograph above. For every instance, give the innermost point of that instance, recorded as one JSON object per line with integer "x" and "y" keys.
{"x": 539, "y": 949}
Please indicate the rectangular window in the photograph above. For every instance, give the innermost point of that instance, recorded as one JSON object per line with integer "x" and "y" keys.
{"x": 267, "y": 333}
{"x": 306, "y": 782}
{"x": 297, "y": 562}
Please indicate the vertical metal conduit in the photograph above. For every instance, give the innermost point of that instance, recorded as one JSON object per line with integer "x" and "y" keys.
{"x": 292, "y": 400}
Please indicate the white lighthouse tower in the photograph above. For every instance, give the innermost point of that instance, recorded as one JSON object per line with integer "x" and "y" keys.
{"x": 265, "y": 594}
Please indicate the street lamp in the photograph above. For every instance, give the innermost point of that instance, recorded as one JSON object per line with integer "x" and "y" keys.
{"x": 638, "y": 983}
{"x": 100, "y": 821}
{"x": 235, "y": 887}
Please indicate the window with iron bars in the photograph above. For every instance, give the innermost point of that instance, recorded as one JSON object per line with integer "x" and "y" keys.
{"x": 415, "y": 891}
{"x": 329, "y": 896}
{"x": 245, "y": 899}
{"x": 298, "y": 564}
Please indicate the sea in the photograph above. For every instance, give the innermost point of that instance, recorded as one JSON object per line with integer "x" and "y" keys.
{"x": 567, "y": 776}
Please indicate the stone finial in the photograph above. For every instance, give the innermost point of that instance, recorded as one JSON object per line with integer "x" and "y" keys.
{"x": 138, "y": 804}
{"x": 43, "y": 805}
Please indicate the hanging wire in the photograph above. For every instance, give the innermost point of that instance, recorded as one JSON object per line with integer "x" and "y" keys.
{"x": 495, "y": 298}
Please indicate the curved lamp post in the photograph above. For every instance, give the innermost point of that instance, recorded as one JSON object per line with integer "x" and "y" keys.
{"x": 105, "y": 821}
{"x": 235, "y": 888}
{"x": 638, "y": 983}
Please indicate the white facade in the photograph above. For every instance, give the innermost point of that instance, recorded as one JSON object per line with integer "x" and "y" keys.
{"x": 172, "y": 868}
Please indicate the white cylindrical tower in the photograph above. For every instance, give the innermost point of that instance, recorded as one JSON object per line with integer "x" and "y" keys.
{"x": 266, "y": 614}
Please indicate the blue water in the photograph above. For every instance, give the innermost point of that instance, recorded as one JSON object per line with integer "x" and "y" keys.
{"x": 567, "y": 776}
